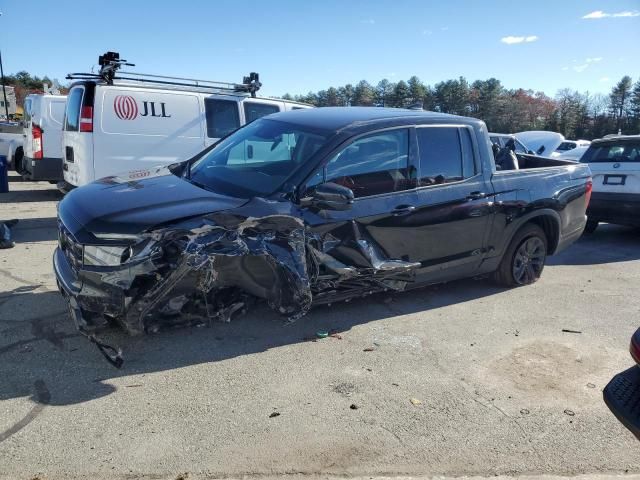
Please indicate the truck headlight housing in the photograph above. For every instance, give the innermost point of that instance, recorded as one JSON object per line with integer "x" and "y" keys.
{"x": 106, "y": 256}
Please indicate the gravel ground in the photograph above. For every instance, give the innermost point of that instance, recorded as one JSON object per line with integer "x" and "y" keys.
{"x": 457, "y": 379}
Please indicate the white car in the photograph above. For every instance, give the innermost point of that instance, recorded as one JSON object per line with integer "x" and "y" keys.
{"x": 573, "y": 154}
{"x": 124, "y": 121}
{"x": 43, "y": 116}
{"x": 568, "y": 146}
{"x": 615, "y": 167}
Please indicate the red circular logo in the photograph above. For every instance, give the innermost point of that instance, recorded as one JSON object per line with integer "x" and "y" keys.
{"x": 125, "y": 107}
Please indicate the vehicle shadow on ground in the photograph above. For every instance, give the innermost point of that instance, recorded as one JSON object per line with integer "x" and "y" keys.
{"x": 17, "y": 196}
{"x": 44, "y": 347}
{"x": 608, "y": 244}
{"x": 29, "y": 230}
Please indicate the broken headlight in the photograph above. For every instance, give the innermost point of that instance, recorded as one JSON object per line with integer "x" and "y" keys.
{"x": 116, "y": 255}
{"x": 105, "y": 256}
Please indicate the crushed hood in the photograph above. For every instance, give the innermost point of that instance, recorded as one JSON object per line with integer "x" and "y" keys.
{"x": 537, "y": 139}
{"x": 134, "y": 202}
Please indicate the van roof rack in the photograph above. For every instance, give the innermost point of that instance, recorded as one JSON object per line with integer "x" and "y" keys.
{"x": 110, "y": 63}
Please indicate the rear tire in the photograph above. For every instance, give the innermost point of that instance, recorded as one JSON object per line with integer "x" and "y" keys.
{"x": 591, "y": 226}
{"x": 523, "y": 262}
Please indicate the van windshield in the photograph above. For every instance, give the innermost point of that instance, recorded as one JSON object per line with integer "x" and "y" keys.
{"x": 257, "y": 159}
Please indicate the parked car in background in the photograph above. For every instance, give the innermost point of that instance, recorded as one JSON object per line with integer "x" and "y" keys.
{"x": 309, "y": 207}
{"x": 622, "y": 393}
{"x": 43, "y": 117}
{"x": 573, "y": 154}
{"x": 122, "y": 123}
{"x": 615, "y": 163}
{"x": 541, "y": 142}
{"x": 501, "y": 139}
{"x": 11, "y": 142}
{"x": 569, "y": 145}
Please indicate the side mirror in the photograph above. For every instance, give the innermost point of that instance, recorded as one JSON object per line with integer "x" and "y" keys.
{"x": 329, "y": 196}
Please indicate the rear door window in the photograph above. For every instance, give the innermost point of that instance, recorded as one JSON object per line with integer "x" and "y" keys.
{"x": 56, "y": 110}
{"x": 446, "y": 155}
{"x": 613, "y": 153}
{"x": 223, "y": 117}
{"x": 27, "y": 112}
{"x": 72, "y": 112}
{"x": 255, "y": 110}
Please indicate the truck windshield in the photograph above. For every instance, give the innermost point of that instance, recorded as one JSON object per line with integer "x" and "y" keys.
{"x": 257, "y": 159}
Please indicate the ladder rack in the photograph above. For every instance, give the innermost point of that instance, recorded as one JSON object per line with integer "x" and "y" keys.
{"x": 110, "y": 63}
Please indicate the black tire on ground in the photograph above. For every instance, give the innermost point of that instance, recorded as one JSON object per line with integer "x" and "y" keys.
{"x": 17, "y": 160}
{"x": 523, "y": 262}
{"x": 591, "y": 226}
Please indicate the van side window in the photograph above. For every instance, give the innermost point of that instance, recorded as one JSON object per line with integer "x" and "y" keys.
{"x": 223, "y": 117}
{"x": 72, "y": 113}
{"x": 372, "y": 165}
{"x": 441, "y": 155}
{"x": 27, "y": 111}
{"x": 253, "y": 110}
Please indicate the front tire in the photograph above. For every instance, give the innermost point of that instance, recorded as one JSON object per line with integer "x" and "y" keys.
{"x": 524, "y": 260}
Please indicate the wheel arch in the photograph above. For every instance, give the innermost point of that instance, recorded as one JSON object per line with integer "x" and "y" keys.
{"x": 548, "y": 220}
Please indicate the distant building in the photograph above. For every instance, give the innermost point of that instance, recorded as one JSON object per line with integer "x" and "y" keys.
{"x": 11, "y": 102}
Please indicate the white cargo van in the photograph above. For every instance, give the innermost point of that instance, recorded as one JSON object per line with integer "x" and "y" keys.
{"x": 129, "y": 121}
{"x": 42, "y": 158}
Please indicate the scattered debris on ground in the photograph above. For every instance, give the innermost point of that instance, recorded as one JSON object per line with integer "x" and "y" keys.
{"x": 415, "y": 401}
{"x": 566, "y": 330}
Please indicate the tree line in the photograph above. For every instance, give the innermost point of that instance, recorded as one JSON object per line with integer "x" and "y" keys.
{"x": 571, "y": 113}
{"x": 574, "y": 114}
{"x": 25, "y": 84}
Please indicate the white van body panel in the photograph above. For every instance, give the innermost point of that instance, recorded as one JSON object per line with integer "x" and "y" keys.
{"x": 137, "y": 127}
{"x": 140, "y": 128}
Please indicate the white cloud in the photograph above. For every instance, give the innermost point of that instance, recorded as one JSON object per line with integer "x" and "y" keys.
{"x": 368, "y": 21}
{"x": 427, "y": 32}
{"x": 600, "y": 14}
{"x": 511, "y": 40}
{"x": 604, "y": 79}
{"x": 580, "y": 68}
{"x": 444, "y": 29}
{"x": 596, "y": 14}
{"x": 593, "y": 59}
{"x": 564, "y": 69}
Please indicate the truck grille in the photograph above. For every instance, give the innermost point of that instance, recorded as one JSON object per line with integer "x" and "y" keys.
{"x": 69, "y": 246}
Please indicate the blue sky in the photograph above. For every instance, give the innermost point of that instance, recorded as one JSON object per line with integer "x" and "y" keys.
{"x": 298, "y": 46}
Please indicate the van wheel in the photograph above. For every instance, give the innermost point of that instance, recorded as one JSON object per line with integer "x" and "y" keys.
{"x": 524, "y": 260}
{"x": 591, "y": 226}
{"x": 17, "y": 161}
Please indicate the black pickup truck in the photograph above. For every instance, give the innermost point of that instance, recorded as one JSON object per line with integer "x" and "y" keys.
{"x": 307, "y": 207}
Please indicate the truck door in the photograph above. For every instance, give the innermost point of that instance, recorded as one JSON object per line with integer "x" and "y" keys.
{"x": 378, "y": 226}
{"x": 454, "y": 202}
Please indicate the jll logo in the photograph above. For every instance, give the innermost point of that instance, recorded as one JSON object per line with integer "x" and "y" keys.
{"x": 126, "y": 108}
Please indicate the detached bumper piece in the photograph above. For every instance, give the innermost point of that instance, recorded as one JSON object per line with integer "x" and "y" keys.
{"x": 622, "y": 396}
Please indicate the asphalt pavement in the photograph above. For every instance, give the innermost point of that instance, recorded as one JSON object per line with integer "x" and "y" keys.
{"x": 462, "y": 379}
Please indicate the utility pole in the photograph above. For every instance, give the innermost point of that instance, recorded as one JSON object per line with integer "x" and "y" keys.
{"x": 4, "y": 90}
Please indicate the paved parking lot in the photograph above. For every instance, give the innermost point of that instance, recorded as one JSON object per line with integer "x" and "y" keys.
{"x": 458, "y": 379}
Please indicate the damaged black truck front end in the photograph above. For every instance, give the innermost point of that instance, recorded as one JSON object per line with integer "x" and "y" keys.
{"x": 303, "y": 208}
